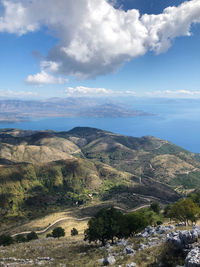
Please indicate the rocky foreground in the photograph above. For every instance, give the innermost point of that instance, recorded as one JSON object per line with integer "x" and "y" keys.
{"x": 186, "y": 240}
{"x": 124, "y": 253}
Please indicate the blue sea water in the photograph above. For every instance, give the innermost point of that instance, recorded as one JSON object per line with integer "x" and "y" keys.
{"x": 176, "y": 122}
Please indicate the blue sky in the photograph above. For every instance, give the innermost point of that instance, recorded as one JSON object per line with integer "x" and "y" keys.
{"x": 68, "y": 50}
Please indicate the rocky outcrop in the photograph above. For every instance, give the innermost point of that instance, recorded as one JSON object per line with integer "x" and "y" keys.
{"x": 187, "y": 241}
{"x": 12, "y": 261}
{"x": 184, "y": 239}
{"x": 193, "y": 258}
{"x": 159, "y": 230}
{"x": 109, "y": 260}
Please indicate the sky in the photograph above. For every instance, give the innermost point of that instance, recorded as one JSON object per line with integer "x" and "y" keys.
{"x": 132, "y": 48}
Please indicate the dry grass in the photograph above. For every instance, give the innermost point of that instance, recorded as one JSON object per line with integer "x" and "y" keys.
{"x": 71, "y": 215}
{"x": 40, "y": 224}
{"x": 69, "y": 251}
{"x": 73, "y": 251}
{"x": 80, "y": 226}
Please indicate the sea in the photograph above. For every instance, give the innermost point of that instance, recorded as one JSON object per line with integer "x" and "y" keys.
{"x": 177, "y": 121}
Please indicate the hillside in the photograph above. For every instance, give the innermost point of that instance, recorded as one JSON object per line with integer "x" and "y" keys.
{"x": 45, "y": 171}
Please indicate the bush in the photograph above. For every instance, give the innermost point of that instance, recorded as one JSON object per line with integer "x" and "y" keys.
{"x": 58, "y": 232}
{"x": 159, "y": 222}
{"x": 32, "y": 236}
{"x": 155, "y": 206}
{"x": 74, "y": 232}
{"x": 20, "y": 238}
{"x": 49, "y": 235}
{"x": 6, "y": 240}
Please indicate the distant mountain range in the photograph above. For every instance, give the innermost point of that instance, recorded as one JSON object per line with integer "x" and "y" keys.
{"x": 20, "y": 110}
{"x": 41, "y": 171}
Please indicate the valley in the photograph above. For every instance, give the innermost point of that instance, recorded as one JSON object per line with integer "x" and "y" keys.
{"x": 43, "y": 172}
{"x": 52, "y": 179}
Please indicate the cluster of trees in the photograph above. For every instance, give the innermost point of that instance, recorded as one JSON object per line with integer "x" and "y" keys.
{"x": 6, "y": 240}
{"x": 184, "y": 210}
{"x": 110, "y": 223}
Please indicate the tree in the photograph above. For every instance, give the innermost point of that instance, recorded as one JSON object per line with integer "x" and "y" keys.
{"x": 195, "y": 197}
{"x": 58, "y": 232}
{"x": 6, "y": 240}
{"x": 184, "y": 210}
{"x": 74, "y": 232}
{"x": 104, "y": 226}
{"x": 31, "y": 236}
{"x": 136, "y": 222}
{"x": 155, "y": 206}
{"x": 167, "y": 210}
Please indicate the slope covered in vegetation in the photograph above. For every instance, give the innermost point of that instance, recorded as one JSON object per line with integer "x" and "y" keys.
{"x": 41, "y": 171}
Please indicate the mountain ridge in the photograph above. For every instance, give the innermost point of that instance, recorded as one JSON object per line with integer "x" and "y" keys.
{"x": 41, "y": 171}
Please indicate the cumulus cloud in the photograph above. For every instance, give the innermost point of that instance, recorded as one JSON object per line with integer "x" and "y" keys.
{"x": 11, "y": 93}
{"x": 96, "y": 38}
{"x": 174, "y": 94}
{"x": 88, "y": 91}
{"x": 44, "y": 77}
{"x": 94, "y": 92}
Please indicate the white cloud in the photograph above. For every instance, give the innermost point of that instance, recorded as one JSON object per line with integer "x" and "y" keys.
{"x": 17, "y": 18}
{"x": 50, "y": 66}
{"x": 94, "y": 37}
{"x": 94, "y": 92}
{"x": 43, "y": 78}
{"x": 174, "y": 94}
{"x": 11, "y": 93}
{"x": 87, "y": 91}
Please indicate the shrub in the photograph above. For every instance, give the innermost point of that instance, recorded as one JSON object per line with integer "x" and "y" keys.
{"x": 155, "y": 206}
{"x": 20, "y": 238}
{"x": 159, "y": 222}
{"x": 6, "y": 240}
{"x": 49, "y": 235}
{"x": 32, "y": 236}
{"x": 74, "y": 232}
{"x": 58, "y": 232}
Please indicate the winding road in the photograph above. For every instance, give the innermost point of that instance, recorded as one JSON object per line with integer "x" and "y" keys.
{"x": 51, "y": 225}
{"x": 75, "y": 219}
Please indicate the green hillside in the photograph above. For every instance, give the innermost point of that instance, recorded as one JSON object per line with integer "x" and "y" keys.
{"x": 44, "y": 171}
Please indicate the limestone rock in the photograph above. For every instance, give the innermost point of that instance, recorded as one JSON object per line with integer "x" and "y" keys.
{"x": 193, "y": 258}
{"x": 109, "y": 260}
{"x": 129, "y": 250}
